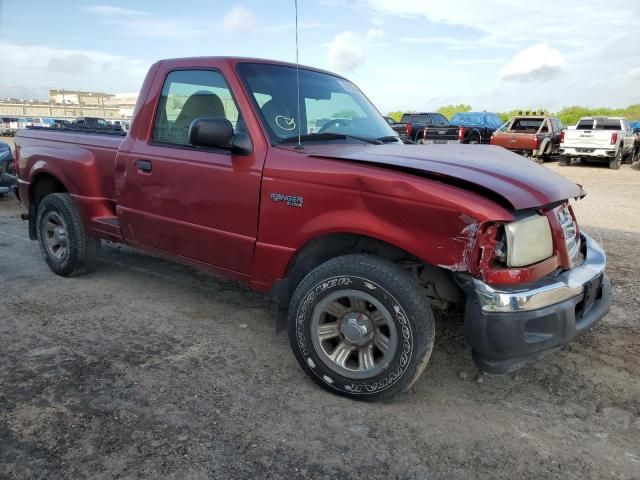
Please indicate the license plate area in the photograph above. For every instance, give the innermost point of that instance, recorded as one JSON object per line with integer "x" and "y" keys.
{"x": 592, "y": 291}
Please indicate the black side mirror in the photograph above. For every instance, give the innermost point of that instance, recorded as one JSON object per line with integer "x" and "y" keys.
{"x": 217, "y": 132}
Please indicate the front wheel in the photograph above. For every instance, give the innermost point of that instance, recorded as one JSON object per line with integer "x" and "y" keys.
{"x": 64, "y": 244}
{"x": 564, "y": 161}
{"x": 421, "y": 141}
{"x": 361, "y": 327}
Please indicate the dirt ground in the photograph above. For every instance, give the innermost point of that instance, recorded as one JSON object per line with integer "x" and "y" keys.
{"x": 147, "y": 369}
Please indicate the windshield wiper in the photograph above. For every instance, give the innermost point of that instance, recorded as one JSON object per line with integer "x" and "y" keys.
{"x": 329, "y": 136}
{"x": 389, "y": 139}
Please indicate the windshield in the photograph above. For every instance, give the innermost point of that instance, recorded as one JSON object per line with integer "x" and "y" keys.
{"x": 328, "y": 104}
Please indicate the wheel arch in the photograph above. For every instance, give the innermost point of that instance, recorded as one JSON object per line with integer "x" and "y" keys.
{"x": 546, "y": 143}
{"x": 438, "y": 281}
{"x": 42, "y": 184}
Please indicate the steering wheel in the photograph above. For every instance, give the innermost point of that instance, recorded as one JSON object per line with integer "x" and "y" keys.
{"x": 338, "y": 122}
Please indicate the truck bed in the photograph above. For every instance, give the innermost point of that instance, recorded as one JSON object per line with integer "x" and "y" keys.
{"x": 93, "y": 155}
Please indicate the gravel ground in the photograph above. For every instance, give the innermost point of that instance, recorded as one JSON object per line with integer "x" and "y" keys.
{"x": 151, "y": 369}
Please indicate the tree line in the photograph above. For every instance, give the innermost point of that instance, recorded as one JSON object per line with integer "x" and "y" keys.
{"x": 568, "y": 115}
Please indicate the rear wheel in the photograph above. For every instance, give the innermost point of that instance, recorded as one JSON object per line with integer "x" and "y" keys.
{"x": 628, "y": 158}
{"x": 615, "y": 162}
{"x": 361, "y": 327}
{"x": 564, "y": 161}
{"x": 421, "y": 141}
{"x": 64, "y": 244}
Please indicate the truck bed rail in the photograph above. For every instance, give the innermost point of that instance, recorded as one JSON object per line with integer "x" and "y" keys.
{"x": 77, "y": 129}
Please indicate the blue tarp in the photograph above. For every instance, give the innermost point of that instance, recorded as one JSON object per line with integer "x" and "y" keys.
{"x": 476, "y": 119}
{"x": 5, "y": 156}
{"x": 633, "y": 125}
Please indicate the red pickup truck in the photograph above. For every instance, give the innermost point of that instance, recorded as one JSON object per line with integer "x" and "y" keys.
{"x": 354, "y": 233}
{"x": 535, "y": 137}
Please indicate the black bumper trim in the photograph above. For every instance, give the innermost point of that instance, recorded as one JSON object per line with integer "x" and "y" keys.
{"x": 503, "y": 342}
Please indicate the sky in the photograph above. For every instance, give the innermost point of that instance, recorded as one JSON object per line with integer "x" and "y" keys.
{"x": 495, "y": 55}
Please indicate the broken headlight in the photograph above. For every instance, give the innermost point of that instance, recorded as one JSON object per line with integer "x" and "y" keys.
{"x": 528, "y": 241}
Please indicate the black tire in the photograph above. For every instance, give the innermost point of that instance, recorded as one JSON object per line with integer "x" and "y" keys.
{"x": 421, "y": 141}
{"x": 564, "y": 161}
{"x": 628, "y": 158}
{"x": 82, "y": 251}
{"x": 396, "y": 293}
{"x": 474, "y": 140}
{"x": 615, "y": 162}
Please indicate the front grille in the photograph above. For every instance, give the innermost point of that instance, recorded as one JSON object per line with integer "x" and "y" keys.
{"x": 571, "y": 235}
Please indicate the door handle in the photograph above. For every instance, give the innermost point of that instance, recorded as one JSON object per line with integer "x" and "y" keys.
{"x": 144, "y": 165}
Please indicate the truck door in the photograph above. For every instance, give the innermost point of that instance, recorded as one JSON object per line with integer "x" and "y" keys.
{"x": 201, "y": 204}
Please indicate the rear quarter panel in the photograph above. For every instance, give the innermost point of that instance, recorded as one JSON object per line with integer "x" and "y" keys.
{"x": 83, "y": 163}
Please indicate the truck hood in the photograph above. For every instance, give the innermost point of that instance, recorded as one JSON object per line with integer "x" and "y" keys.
{"x": 494, "y": 170}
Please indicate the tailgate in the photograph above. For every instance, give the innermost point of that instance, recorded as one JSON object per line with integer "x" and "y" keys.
{"x": 515, "y": 141}
{"x": 400, "y": 129}
{"x": 441, "y": 134}
{"x": 590, "y": 138}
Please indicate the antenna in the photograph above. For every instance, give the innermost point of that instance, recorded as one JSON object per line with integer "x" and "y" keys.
{"x": 299, "y": 146}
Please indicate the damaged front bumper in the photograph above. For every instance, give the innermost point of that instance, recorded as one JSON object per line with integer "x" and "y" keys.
{"x": 510, "y": 327}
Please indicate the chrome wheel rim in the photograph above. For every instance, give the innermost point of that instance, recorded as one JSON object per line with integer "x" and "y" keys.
{"x": 56, "y": 236}
{"x": 353, "y": 334}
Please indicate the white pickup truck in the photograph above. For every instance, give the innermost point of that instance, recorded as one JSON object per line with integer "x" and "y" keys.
{"x": 608, "y": 139}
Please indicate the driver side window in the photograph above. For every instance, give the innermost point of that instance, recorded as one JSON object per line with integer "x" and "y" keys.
{"x": 190, "y": 94}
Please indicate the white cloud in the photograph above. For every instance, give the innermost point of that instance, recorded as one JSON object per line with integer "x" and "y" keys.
{"x": 537, "y": 62}
{"x": 109, "y": 10}
{"x": 36, "y": 68}
{"x": 590, "y": 44}
{"x": 346, "y": 52}
{"x": 138, "y": 23}
{"x": 239, "y": 20}
{"x": 374, "y": 33}
{"x": 522, "y": 21}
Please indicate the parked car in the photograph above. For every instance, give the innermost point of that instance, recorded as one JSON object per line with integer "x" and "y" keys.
{"x": 8, "y": 180}
{"x": 122, "y": 124}
{"x": 60, "y": 123}
{"x": 93, "y": 123}
{"x": 476, "y": 127}
{"x": 426, "y": 128}
{"x": 598, "y": 139}
{"x": 6, "y": 127}
{"x": 20, "y": 123}
{"x": 635, "y": 127}
{"x": 390, "y": 120}
{"x": 533, "y": 136}
{"x": 353, "y": 233}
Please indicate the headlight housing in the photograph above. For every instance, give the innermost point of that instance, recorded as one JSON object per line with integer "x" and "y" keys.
{"x": 529, "y": 241}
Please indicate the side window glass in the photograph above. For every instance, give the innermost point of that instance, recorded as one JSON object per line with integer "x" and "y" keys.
{"x": 190, "y": 94}
{"x": 544, "y": 128}
{"x": 439, "y": 120}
